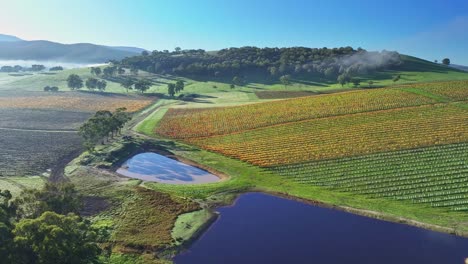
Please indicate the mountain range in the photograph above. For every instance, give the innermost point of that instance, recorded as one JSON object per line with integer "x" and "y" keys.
{"x": 14, "y": 48}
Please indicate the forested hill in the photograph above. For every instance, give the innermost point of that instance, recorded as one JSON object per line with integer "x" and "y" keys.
{"x": 270, "y": 63}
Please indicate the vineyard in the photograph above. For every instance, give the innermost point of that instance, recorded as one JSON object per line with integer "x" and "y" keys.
{"x": 344, "y": 136}
{"x": 436, "y": 176}
{"x": 77, "y": 101}
{"x": 455, "y": 90}
{"x": 407, "y": 143}
{"x": 189, "y": 123}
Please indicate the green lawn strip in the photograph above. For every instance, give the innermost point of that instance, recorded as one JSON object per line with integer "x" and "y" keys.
{"x": 150, "y": 123}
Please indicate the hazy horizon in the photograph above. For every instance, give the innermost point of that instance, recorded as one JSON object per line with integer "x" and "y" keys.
{"x": 431, "y": 30}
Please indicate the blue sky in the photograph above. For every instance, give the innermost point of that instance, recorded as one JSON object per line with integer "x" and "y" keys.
{"x": 424, "y": 28}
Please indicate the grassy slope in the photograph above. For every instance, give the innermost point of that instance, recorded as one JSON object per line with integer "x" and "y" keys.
{"x": 413, "y": 70}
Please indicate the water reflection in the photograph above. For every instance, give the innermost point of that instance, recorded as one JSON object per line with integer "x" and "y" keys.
{"x": 261, "y": 228}
{"x": 154, "y": 167}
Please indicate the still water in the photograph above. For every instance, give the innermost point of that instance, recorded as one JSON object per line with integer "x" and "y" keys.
{"x": 154, "y": 167}
{"x": 261, "y": 228}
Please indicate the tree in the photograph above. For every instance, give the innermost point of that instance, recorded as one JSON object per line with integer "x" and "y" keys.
{"x": 37, "y": 67}
{"x": 54, "y": 238}
{"x": 7, "y": 212}
{"x": 142, "y": 85}
{"x": 101, "y": 85}
{"x": 109, "y": 71}
{"x": 56, "y": 68}
{"x": 177, "y": 50}
{"x": 356, "y": 82}
{"x": 446, "y": 61}
{"x": 91, "y": 83}
{"x": 370, "y": 83}
{"x": 232, "y": 86}
{"x": 179, "y": 86}
{"x": 285, "y": 80}
{"x": 47, "y": 89}
{"x": 127, "y": 84}
{"x": 61, "y": 198}
{"x": 171, "y": 89}
{"x": 96, "y": 71}
{"x": 436, "y": 61}
{"x": 74, "y": 82}
{"x": 145, "y": 53}
{"x": 396, "y": 78}
{"x": 342, "y": 79}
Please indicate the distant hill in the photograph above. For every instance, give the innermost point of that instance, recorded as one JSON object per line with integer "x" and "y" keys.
{"x": 129, "y": 49}
{"x": 459, "y": 67}
{"x": 4, "y": 38}
{"x": 13, "y": 48}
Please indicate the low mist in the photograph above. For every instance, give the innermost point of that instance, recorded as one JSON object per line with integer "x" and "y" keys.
{"x": 48, "y": 64}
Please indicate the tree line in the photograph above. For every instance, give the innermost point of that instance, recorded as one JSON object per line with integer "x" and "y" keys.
{"x": 33, "y": 68}
{"x": 267, "y": 63}
{"x": 101, "y": 126}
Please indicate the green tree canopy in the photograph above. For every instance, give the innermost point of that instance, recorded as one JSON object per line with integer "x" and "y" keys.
{"x": 285, "y": 80}
{"x": 61, "y": 198}
{"x": 179, "y": 86}
{"x": 101, "y": 85}
{"x": 446, "y": 61}
{"x": 74, "y": 82}
{"x": 171, "y": 89}
{"x": 91, "y": 83}
{"x": 54, "y": 238}
{"x": 142, "y": 85}
{"x": 127, "y": 83}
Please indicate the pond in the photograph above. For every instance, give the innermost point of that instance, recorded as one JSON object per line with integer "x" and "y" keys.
{"x": 154, "y": 167}
{"x": 261, "y": 228}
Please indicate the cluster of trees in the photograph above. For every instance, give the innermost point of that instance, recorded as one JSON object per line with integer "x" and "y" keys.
{"x": 75, "y": 82}
{"x": 93, "y": 83}
{"x": 102, "y": 125}
{"x": 110, "y": 71}
{"x": 266, "y": 62}
{"x": 56, "y": 68}
{"x": 173, "y": 89}
{"x": 44, "y": 226}
{"x": 141, "y": 85}
{"x": 18, "y": 68}
{"x": 51, "y": 89}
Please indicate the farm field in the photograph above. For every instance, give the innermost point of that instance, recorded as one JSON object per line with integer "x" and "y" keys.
{"x": 33, "y": 152}
{"x": 436, "y": 176}
{"x": 188, "y": 123}
{"x": 405, "y": 144}
{"x": 344, "y": 136}
{"x": 38, "y": 129}
{"x": 78, "y": 101}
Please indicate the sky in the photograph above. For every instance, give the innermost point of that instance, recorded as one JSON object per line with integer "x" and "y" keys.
{"x": 423, "y": 28}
